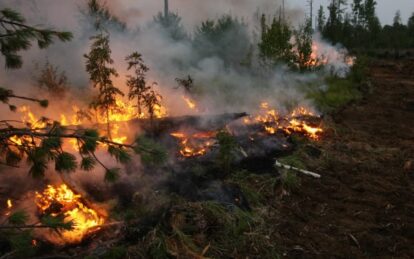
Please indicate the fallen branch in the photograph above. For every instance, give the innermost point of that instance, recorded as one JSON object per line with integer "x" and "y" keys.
{"x": 305, "y": 172}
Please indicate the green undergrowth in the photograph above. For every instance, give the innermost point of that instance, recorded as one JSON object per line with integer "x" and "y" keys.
{"x": 208, "y": 230}
{"x": 336, "y": 92}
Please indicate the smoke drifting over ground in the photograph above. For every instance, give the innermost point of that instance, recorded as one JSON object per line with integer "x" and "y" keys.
{"x": 219, "y": 86}
{"x": 222, "y": 86}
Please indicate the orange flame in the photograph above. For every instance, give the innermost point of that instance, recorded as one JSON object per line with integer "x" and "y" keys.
{"x": 124, "y": 111}
{"x": 30, "y": 119}
{"x": 62, "y": 201}
{"x": 190, "y": 103}
{"x": 194, "y": 145}
{"x": 9, "y": 204}
{"x": 273, "y": 122}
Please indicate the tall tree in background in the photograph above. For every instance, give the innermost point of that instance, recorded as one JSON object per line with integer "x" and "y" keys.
{"x": 137, "y": 84}
{"x": 372, "y": 23}
{"x": 398, "y": 35}
{"x": 227, "y": 38}
{"x": 333, "y": 26}
{"x": 397, "y": 21}
{"x": 102, "y": 18}
{"x": 303, "y": 44}
{"x": 17, "y": 35}
{"x": 357, "y": 30}
{"x": 98, "y": 63}
{"x": 275, "y": 44}
{"x": 357, "y": 13}
{"x": 310, "y": 2}
{"x": 321, "y": 19}
{"x": 410, "y": 28}
{"x": 171, "y": 26}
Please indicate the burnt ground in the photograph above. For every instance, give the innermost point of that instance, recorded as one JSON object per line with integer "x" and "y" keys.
{"x": 363, "y": 206}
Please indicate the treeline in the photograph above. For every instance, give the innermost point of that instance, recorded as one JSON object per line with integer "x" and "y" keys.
{"x": 229, "y": 38}
{"x": 360, "y": 28}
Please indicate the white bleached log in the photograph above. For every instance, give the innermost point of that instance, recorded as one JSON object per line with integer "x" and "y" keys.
{"x": 305, "y": 172}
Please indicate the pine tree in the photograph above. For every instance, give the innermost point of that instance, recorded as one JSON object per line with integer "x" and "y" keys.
{"x": 303, "y": 42}
{"x": 372, "y": 23}
{"x": 410, "y": 26}
{"x": 98, "y": 63}
{"x": 17, "y": 35}
{"x": 397, "y": 19}
{"x": 357, "y": 12}
{"x": 321, "y": 19}
{"x": 102, "y": 18}
{"x": 137, "y": 84}
{"x": 275, "y": 44}
{"x": 152, "y": 100}
{"x": 226, "y": 37}
{"x": 42, "y": 145}
{"x": 333, "y": 28}
{"x": 171, "y": 26}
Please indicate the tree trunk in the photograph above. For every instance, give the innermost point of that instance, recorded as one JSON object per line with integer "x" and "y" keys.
{"x": 108, "y": 126}
{"x": 139, "y": 107}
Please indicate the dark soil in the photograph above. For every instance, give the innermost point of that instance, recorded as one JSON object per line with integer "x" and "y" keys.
{"x": 363, "y": 206}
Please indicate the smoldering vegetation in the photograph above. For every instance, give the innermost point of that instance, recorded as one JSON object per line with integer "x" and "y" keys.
{"x": 216, "y": 45}
{"x": 205, "y": 40}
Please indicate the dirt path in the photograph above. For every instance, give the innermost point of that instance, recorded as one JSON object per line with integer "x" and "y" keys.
{"x": 364, "y": 204}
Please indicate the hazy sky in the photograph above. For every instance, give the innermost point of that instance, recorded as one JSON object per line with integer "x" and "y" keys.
{"x": 385, "y": 9}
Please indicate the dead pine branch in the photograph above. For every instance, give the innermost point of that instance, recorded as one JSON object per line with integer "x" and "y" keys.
{"x": 305, "y": 172}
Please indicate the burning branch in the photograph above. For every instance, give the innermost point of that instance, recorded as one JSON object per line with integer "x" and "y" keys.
{"x": 43, "y": 145}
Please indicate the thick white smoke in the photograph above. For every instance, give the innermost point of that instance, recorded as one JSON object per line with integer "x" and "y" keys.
{"x": 219, "y": 87}
{"x": 159, "y": 51}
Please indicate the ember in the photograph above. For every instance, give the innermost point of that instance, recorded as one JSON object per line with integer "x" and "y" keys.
{"x": 9, "y": 205}
{"x": 62, "y": 201}
{"x": 190, "y": 103}
{"x": 196, "y": 144}
{"x": 272, "y": 121}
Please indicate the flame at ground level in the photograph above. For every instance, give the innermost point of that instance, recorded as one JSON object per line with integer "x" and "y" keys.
{"x": 196, "y": 144}
{"x": 190, "y": 103}
{"x": 62, "y": 201}
{"x": 272, "y": 121}
{"x": 9, "y": 204}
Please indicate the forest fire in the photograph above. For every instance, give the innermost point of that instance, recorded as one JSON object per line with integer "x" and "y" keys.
{"x": 316, "y": 58}
{"x": 30, "y": 119}
{"x": 9, "y": 206}
{"x": 196, "y": 144}
{"x": 272, "y": 121}
{"x": 123, "y": 112}
{"x": 62, "y": 201}
{"x": 190, "y": 103}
